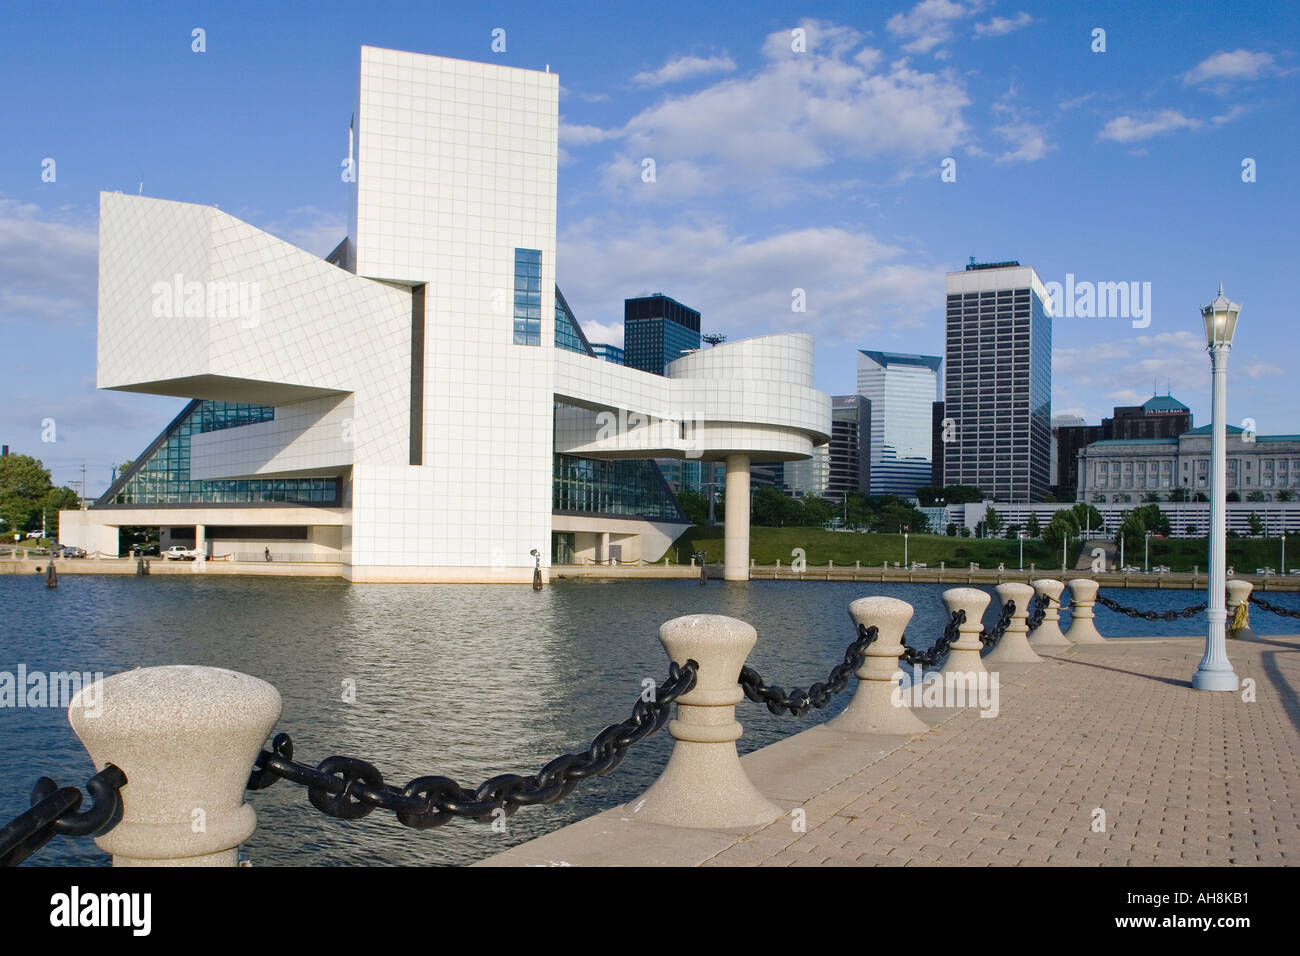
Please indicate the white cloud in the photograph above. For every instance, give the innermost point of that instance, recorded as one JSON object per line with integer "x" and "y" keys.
{"x": 610, "y": 333}
{"x": 48, "y": 269}
{"x": 855, "y": 285}
{"x": 796, "y": 114}
{"x": 1001, "y": 26}
{"x": 315, "y": 230}
{"x": 1029, "y": 141}
{"x": 1129, "y": 129}
{"x": 684, "y": 68}
{"x": 572, "y": 134}
{"x": 929, "y": 23}
{"x": 1234, "y": 65}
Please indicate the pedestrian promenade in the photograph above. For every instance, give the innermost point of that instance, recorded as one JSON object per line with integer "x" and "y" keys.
{"x": 1103, "y": 755}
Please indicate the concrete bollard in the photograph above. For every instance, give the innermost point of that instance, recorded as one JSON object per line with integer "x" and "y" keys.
{"x": 1239, "y": 594}
{"x": 1083, "y": 629}
{"x": 1048, "y": 634}
{"x": 704, "y": 785}
{"x": 1013, "y": 647}
{"x": 964, "y": 656}
{"x": 876, "y": 707}
{"x": 186, "y": 737}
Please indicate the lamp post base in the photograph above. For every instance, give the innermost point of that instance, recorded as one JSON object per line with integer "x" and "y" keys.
{"x": 1216, "y": 680}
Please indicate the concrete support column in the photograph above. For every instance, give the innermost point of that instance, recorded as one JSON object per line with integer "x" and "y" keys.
{"x": 603, "y": 556}
{"x": 1083, "y": 629}
{"x": 201, "y": 546}
{"x": 704, "y": 785}
{"x": 1238, "y": 594}
{"x": 878, "y": 706}
{"x": 964, "y": 656}
{"x": 186, "y": 737}
{"x": 736, "y": 560}
{"x": 1048, "y": 634}
{"x": 1013, "y": 647}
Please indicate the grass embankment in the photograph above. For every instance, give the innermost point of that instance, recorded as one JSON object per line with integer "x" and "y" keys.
{"x": 766, "y": 545}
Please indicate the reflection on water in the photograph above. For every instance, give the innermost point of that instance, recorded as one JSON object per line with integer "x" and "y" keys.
{"x": 456, "y": 680}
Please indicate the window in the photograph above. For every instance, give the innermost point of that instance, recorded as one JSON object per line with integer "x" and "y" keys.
{"x": 528, "y": 297}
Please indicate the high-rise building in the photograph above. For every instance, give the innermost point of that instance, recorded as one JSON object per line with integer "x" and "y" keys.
{"x": 902, "y": 390}
{"x": 610, "y": 353}
{"x": 936, "y": 445}
{"x": 658, "y": 330}
{"x": 998, "y": 383}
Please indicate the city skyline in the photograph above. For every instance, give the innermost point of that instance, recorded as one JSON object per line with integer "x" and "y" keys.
{"x": 819, "y": 170}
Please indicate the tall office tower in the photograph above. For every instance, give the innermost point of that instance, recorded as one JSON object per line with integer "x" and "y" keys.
{"x": 658, "y": 330}
{"x": 998, "y": 385}
{"x": 902, "y": 390}
{"x": 937, "y": 415}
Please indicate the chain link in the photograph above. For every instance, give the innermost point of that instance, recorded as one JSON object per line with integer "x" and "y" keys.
{"x": 989, "y": 639}
{"x": 936, "y": 654}
{"x": 1151, "y": 615}
{"x": 1274, "y": 608}
{"x": 54, "y": 810}
{"x": 349, "y": 788}
{"x": 798, "y": 701}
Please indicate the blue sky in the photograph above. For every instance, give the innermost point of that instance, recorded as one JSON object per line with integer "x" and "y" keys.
{"x": 775, "y": 169}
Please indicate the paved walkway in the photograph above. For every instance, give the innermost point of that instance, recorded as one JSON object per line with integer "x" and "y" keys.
{"x": 1184, "y": 777}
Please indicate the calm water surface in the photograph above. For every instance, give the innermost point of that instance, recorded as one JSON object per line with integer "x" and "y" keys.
{"x": 461, "y": 681}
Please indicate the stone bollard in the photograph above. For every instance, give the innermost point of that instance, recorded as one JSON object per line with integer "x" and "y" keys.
{"x": 1239, "y": 594}
{"x": 1013, "y": 647}
{"x": 1083, "y": 629}
{"x": 704, "y": 785}
{"x": 877, "y": 707}
{"x": 964, "y": 657}
{"x": 1048, "y": 634}
{"x": 186, "y": 737}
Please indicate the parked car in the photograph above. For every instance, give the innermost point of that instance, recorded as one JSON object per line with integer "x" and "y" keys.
{"x": 178, "y": 553}
{"x": 1265, "y": 571}
{"x": 1131, "y": 569}
{"x": 70, "y": 551}
{"x": 1161, "y": 569}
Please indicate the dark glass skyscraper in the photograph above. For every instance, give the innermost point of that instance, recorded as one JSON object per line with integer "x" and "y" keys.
{"x": 658, "y": 330}
{"x": 998, "y": 384}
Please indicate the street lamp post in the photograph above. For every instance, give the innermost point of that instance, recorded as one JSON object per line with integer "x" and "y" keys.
{"x": 1146, "y": 553}
{"x": 1215, "y": 671}
{"x": 905, "y": 564}
{"x": 1021, "y": 536}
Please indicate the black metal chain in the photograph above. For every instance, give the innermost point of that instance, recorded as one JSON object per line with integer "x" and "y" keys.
{"x": 55, "y": 809}
{"x": 989, "y": 639}
{"x": 798, "y": 701}
{"x": 1274, "y": 608}
{"x": 350, "y": 788}
{"x": 1038, "y": 606}
{"x": 940, "y": 650}
{"x": 1151, "y": 615}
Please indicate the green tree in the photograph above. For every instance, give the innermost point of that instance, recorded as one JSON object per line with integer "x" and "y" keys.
{"x": 1032, "y": 527}
{"x": 1256, "y": 495}
{"x": 1151, "y": 497}
{"x": 964, "y": 531}
{"x": 24, "y": 483}
{"x": 1153, "y": 519}
{"x": 1200, "y": 496}
{"x": 1061, "y": 528}
{"x": 1179, "y": 494}
{"x": 952, "y": 529}
{"x": 1087, "y": 517}
{"x": 696, "y": 506}
{"x": 1232, "y": 496}
{"x": 992, "y": 521}
{"x": 962, "y": 494}
{"x": 1256, "y": 524}
{"x": 1285, "y": 495}
{"x": 927, "y": 495}
{"x": 1012, "y": 532}
{"x": 817, "y": 511}
{"x": 1133, "y": 532}
{"x": 774, "y": 509}
{"x": 56, "y": 500}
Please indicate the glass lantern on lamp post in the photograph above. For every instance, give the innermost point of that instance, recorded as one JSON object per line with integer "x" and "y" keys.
{"x": 1215, "y": 671}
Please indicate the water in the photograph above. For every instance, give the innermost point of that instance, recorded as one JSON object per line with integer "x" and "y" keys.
{"x": 455, "y": 680}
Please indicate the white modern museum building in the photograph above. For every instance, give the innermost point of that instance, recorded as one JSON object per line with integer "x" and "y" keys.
{"x": 421, "y": 405}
